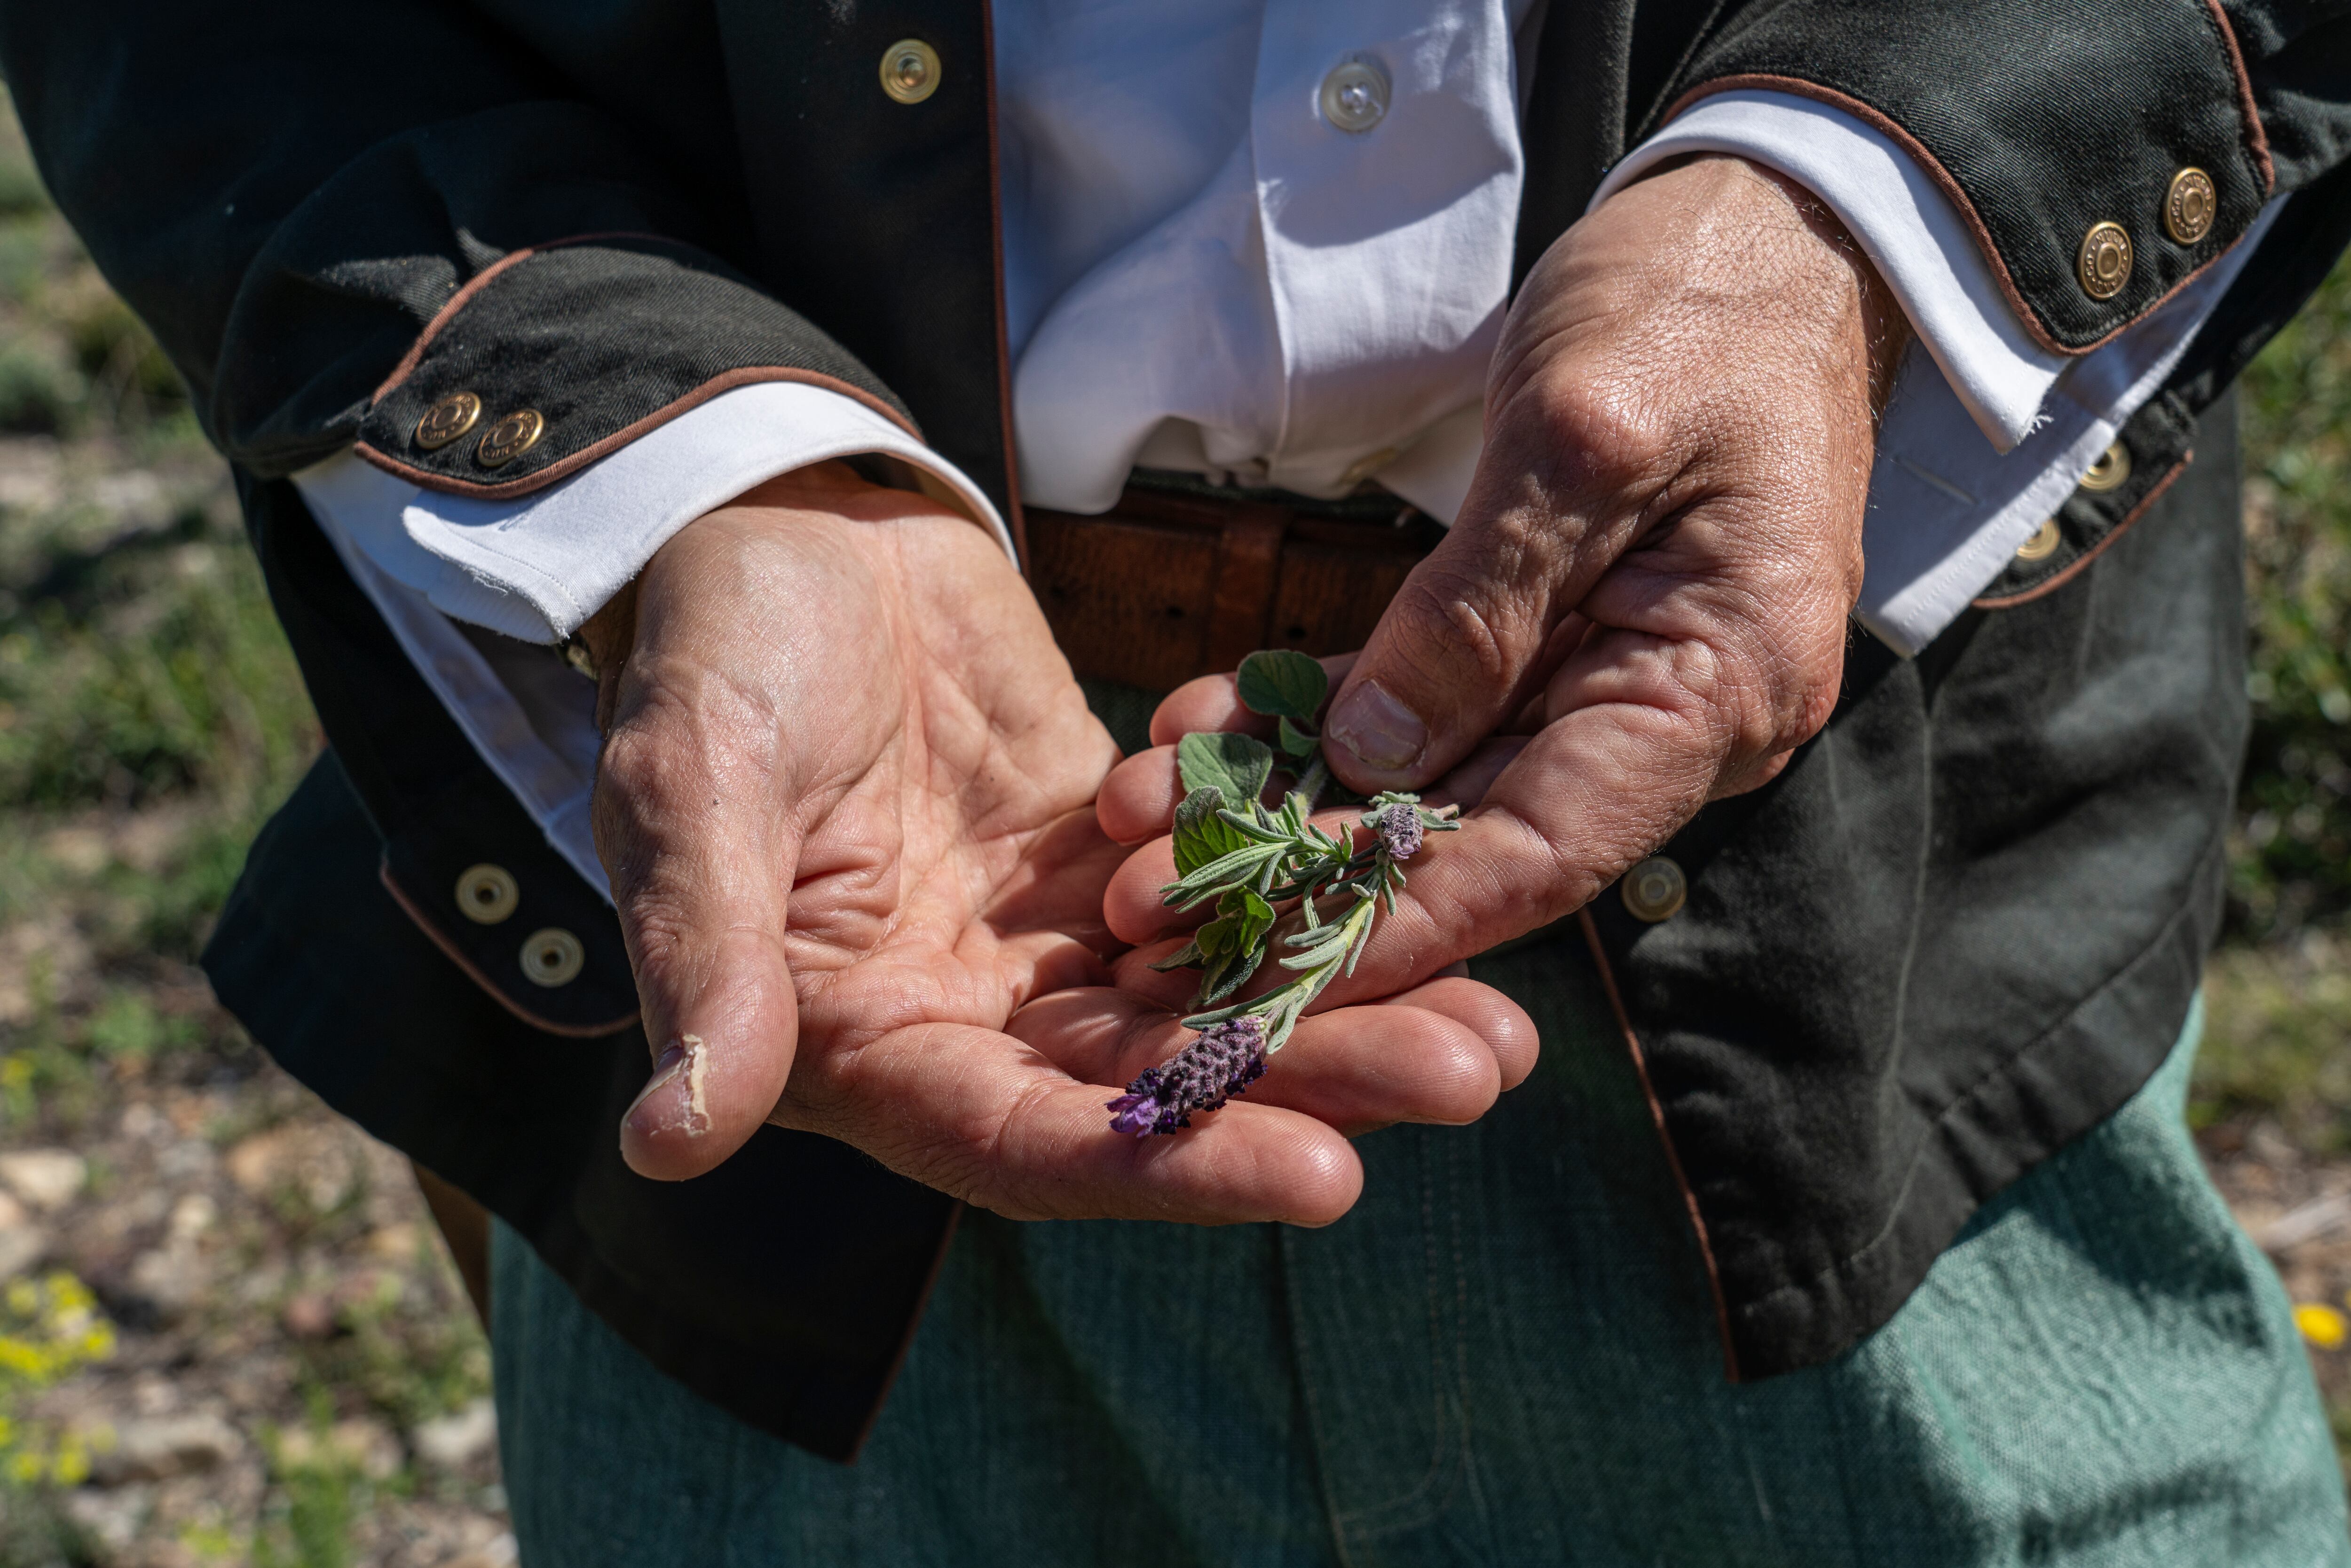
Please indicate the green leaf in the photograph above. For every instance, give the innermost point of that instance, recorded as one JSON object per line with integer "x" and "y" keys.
{"x": 1220, "y": 978}
{"x": 1187, "y": 957}
{"x": 1240, "y": 764}
{"x": 1252, "y": 916}
{"x": 1201, "y": 835}
{"x": 1224, "y": 872}
{"x": 1296, "y": 741}
{"x": 1284, "y": 682}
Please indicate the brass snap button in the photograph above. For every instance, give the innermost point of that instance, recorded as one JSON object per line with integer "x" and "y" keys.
{"x": 910, "y": 70}
{"x": 488, "y": 893}
{"x": 2042, "y": 543}
{"x": 447, "y": 420}
{"x": 510, "y": 437}
{"x": 1654, "y": 890}
{"x": 2111, "y": 469}
{"x": 2106, "y": 260}
{"x": 552, "y": 957}
{"x": 1355, "y": 95}
{"x": 2191, "y": 205}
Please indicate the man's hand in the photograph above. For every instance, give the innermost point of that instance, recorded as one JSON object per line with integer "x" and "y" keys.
{"x": 845, "y": 800}
{"x": 1649, "y": 581}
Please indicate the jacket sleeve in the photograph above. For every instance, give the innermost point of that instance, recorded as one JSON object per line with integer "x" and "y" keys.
{"x": 2070, "y": 134}
{"x": 335, "y": 217}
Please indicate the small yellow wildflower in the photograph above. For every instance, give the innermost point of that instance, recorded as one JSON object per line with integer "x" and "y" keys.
{"x": 15, "y": 1072}
{"x": 26, "y": 1360}
{"x": 67, "y": 1294}
{"x": 72, "y": 1467}
{"x": 2321, "y": 1324}
{"x": 27, "y": 1465}
{"x": 24, "y": 1298}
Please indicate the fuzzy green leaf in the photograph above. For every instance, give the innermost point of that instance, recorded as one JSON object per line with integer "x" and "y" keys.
{"x": 1282, "y": 681}
{"x": 1187, "y": 957}
{"x": 1298, "y": 742}
{"x": 1240, "y": 764}
{"x": 1225, "y": 872}
{"x": 1201, "y": 834}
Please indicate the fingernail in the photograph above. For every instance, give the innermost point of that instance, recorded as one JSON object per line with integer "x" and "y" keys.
{"x": 1378, "y": 728}
{"x": 675, "y": 1096}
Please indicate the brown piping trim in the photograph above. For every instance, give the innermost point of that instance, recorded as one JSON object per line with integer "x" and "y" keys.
{"x": 2052, "y": 585}
{"x": 1673, "y": 1159}
{"x": 449, "y": 950}
{"x": 1943, "y": 181}
{"x": 1014, "y": 516}
{"x": 2257, "y": 141}
{"x": 725, "y": 382}
{"x": 906, "y": 1342}
{"x": 457, "y": 301}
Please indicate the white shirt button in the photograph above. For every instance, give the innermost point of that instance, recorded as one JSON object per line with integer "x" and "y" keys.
{"x": 1355, "y": 95}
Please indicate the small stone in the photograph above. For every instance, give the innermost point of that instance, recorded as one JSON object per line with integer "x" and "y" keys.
{"x": 192, "y": 1215}
{"x": 45, "y": 1178}
{"x": 21, "y": 1247}
{"x": 112, "y": 1517}
{"x": 500, "y": 1551}
{"x": 156, "y": 1448}
{"x": 23, "y": 1244}
{"x": 309, "y": 1316}
{"x": 393, "y": 1243}
{"x": 170, "y": 1277}
{"x": 304, "y": 1159}
{"x": 360, "y": 1443}
{"x": 453, "y": 1441}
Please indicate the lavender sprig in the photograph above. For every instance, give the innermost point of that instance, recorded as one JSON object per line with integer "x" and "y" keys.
{"x": 1231, "y": 849}
{"x": 1223, "y": 1060}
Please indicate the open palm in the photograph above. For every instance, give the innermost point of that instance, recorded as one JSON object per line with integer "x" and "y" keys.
{"x": 846, "y": 804}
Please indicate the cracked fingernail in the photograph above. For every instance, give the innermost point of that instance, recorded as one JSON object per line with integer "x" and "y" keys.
{"x": 1378, "y": 728}
{"x": 675, "y": 1096}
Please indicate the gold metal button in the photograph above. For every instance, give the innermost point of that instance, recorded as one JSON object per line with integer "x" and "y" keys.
{"x": 910, "y": 70}
{"x": 2111, "y": 469}
{"x": 488, "y": 893}
{"x": 1355, "y": 95}
{"x": 447, "y": 420}
{"x": 552, "y": 957}
{"x": 510, "y": 437}
{"x": 2191, "y": 205}
{"x": 1654, "y": 890}
{"x": 2042, "y": 543}
{"x": 2105, "y": 261}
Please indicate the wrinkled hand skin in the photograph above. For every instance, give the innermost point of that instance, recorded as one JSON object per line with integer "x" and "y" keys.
{"x": 1643, "y": 604}
{"x": 846, "y": 804}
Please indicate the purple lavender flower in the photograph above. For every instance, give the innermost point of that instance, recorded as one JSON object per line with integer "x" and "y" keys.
{"x": 1399, "y": 829}
{"x": 1223, "y": 1060}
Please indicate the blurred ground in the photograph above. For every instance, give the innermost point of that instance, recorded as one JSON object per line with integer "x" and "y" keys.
{"x": 228, "y": 1333}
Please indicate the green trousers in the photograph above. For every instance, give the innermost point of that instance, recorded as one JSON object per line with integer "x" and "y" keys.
{"x": 1506, "y": 1354}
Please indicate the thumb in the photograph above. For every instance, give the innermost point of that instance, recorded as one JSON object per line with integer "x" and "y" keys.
{"x": 700, "y": 879}
{"x": 1467, "y": 643}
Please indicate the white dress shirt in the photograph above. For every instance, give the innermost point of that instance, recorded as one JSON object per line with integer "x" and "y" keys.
{"x": 1207, "y": 271}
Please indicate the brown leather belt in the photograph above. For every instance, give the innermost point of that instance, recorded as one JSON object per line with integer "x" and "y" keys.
{"x": 1170, "y": 584}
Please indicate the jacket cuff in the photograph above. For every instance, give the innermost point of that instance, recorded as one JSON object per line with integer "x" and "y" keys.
{"x": 537, "y": 566}
{"x": 2072, "y": 153}
{"x": 508, "y": 391}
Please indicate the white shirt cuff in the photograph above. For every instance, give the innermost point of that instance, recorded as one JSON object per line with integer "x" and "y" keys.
{"x": 536, "y": 567}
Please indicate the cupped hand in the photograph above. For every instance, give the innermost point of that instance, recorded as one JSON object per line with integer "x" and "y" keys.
{"x": 845, "y": 801}
{"x": 1643, "y": 604}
